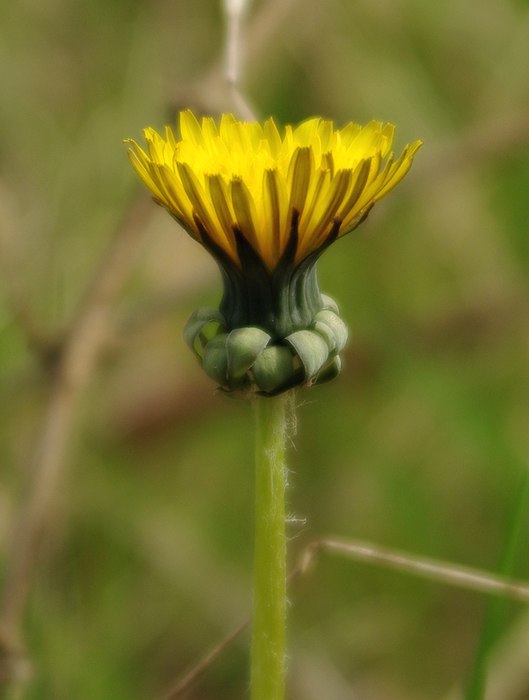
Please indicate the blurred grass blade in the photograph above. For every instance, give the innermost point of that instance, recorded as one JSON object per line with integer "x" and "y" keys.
{"x": 497, "y": 609}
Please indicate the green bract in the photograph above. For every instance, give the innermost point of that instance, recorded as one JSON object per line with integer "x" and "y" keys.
{"x": 249, "y": 359}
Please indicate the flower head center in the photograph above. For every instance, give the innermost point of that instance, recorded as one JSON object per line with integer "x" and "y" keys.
{"x": 251, "y": 177}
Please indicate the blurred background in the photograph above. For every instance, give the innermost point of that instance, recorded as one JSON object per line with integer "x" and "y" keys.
{"x": 420, "y": 445}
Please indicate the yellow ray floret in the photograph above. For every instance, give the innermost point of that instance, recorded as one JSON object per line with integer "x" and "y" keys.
{"x": 249, "y": 178}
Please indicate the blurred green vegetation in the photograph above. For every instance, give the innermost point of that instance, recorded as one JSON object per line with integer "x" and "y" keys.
{"x": 420, "y": 445}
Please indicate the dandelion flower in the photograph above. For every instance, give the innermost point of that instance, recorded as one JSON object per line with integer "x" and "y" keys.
{"x": 266, "y": 203}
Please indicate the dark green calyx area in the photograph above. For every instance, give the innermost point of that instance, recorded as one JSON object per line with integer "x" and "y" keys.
{"x": 248, "y": 360}
{"x": 274, "y": 329}
{"x": 280, "y": 301}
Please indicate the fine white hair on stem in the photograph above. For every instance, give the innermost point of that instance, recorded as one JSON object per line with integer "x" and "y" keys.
{"x": 235, "y": 11}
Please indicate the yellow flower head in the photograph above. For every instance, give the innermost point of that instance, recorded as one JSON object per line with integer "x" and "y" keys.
{"x": 246, "y": 178}
{"x": 266, "y": 203}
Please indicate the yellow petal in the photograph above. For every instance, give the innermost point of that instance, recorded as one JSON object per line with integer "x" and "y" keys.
{"x": 209, "y": 130}
{"x": 190, "y": 128}
{"x": 314, "y": 199}
{"x": 359, "y": 180}
{"x": 244, "y": 209}
{"x": 218, "y": 174}
{"x": 200, "y": 202}
{"x": 174, "y": 197}
{"x": 219, "y": 197}
{"x": 275, "y": 204}
{"x": 271, "y": 134}
{"x": 299, "y": 175}
{"x": 227, "y": 122}
{"x": 305, "y": 132}
{"x": 399, "y": 169}
{"x": 329, "y": 206}
{"x": 325, "y": 133}
{"x": 139, "y": 166}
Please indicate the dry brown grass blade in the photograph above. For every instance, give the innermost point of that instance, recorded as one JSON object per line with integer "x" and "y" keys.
{"x": 184, "y": 683}
{"x": 405, "y": 562}
{"x": 216, "y": 90}
{"x": 77, "y": 359}
{"x": 423, "y": 567}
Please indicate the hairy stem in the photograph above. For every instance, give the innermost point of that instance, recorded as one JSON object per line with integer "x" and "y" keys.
{"x": 269, "y": 607}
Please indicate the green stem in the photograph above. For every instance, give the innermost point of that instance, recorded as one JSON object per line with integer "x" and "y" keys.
{"x": 269, "y": 607}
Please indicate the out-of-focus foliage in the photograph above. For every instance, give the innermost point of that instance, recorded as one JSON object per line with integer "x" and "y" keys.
{"x": 420, "y": 444}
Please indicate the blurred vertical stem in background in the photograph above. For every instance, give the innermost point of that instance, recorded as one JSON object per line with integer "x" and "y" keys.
{"x": 269, "y": 606}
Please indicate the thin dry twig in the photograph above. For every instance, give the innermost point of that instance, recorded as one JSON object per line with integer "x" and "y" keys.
{"x": 184, "y": 683}
{"x": 208, "y": 92}
{"x": 424, "y": 567}
{"x": 357, "y": 550}
{"x": 77, "y": 359}
{"x": 235, "y": 11}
